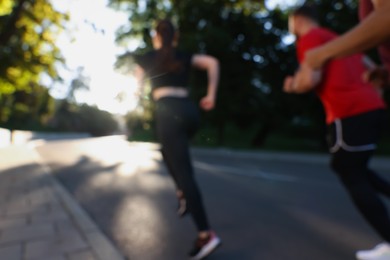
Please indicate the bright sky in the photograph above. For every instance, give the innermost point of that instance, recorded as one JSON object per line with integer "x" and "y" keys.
{"x": 282, "y": 3}
{"x": 96, "y": 52}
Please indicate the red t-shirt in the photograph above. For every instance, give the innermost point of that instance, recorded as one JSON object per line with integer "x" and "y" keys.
{"x": 365, "y": 8}
{"x": 342, "y": 90}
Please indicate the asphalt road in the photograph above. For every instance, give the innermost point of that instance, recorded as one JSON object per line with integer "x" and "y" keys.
{"x": 264, "y": 206}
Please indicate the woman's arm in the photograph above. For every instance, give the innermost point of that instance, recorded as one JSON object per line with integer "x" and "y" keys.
{"x": 211, "y": 65}
{"x": 367, "y": 34}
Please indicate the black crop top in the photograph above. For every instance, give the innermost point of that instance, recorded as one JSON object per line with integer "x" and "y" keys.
{"x": 158, "y": 77}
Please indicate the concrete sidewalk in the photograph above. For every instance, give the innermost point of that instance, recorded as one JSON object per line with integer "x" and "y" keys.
{"x": 39, "y": 219}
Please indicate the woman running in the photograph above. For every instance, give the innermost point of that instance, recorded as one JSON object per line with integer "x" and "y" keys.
{"x": 168, "y": 70}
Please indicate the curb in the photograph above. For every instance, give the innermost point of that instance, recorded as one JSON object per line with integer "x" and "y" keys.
{"x": 99, "y": 243}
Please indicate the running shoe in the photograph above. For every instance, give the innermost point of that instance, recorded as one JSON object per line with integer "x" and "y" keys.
{"x": 204, "y": 247}
{"x": 380, "y": 252}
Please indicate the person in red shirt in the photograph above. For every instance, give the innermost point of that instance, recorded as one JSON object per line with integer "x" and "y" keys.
{"x": 354, "y": 114}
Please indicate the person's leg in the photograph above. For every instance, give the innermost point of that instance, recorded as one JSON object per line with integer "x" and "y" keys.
{"x": 351, "y": 168}
{"x": 168, "y": 164}
{"x": 177, "y": 151}
{"x": 176, "y": 126}
{"x": 352, "y": 141}
{"x": 164, "y": 127}
{"x": 173, "y": 118}
{"x": 162, "y": 114}
{"x": 366, "y": 129}
{"x": 380, "y": 184}
{"x": 182, "y": 203}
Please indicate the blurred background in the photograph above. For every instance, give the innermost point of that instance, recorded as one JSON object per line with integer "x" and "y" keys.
{"x": 65, "y": 66}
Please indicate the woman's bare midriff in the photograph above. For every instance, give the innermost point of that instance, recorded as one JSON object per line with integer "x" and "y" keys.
{"x": 169, "y": 92}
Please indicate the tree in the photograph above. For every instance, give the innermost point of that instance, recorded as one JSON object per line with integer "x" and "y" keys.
{"x": 31, "y": 110}
{"x": 71, "y": 117}
{"x": 28, "y": 29}
{"x": 79, "y": 83}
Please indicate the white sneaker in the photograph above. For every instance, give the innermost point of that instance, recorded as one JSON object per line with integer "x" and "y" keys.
{"x": 380, "y": 252}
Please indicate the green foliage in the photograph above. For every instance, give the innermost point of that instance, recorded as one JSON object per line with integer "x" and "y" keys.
{"x": 97, "y": 122}
{"x": 22, "y": 109}
{"x": 140, "y": 125}
{"x": 28, "y": 29}
{"x": 339, "y": 15}
{"x": 70, "y": 117}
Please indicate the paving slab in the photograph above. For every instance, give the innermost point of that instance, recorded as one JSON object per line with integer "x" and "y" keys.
{"x": 39, "y": 219}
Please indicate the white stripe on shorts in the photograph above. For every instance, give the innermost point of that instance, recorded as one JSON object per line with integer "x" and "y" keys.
{"x": 340, "y": 143}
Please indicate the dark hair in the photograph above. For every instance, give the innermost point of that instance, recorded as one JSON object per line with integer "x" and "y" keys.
{"x": 307, "y": 10}
{"x": 166, "y": 61}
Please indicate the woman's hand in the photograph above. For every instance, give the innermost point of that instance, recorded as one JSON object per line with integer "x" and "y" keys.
{"x": 207, "y": 103}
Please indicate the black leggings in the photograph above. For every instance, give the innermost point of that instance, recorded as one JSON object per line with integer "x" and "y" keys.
{"x": 352, "y": 141}
{"x": 177, "y": 120}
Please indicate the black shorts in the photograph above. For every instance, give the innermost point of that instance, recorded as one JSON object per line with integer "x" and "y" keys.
{"x": 356, "y": 133}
